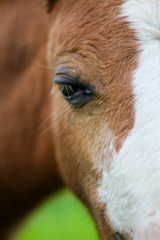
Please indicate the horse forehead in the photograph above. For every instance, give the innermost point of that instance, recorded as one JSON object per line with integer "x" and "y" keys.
{"x": 94, "y": 23}
{"x": 98, "y": 27}
{"x": 98, "y": 31}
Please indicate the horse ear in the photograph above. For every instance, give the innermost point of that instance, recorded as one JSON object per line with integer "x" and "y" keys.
{"x": 50, "y": 4}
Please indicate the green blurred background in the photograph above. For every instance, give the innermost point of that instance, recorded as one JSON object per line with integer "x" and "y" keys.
{"x": 61, "y": 217}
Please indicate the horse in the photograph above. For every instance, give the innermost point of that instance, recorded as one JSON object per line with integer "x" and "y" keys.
{"x": 80, "y": 83}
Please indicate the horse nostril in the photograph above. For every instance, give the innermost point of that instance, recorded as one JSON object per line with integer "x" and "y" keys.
{"x": 120, "y": 236}
{"x": 103, "y": 214}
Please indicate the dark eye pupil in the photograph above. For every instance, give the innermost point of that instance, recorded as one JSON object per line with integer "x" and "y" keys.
{"x": 69, "y": 90}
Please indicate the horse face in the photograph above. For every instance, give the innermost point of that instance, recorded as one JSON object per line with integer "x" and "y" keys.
{"x": 106, "y": 61}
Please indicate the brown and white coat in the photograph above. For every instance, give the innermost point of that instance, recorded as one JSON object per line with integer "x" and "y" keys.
{"x": 103, "y": 130}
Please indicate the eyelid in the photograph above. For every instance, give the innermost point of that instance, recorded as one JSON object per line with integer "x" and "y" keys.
{"x": 63, "y": 79}
{"x": 84, "y": 92}
{"x": 67, "y": 74}
{"x": 71, "y": 80}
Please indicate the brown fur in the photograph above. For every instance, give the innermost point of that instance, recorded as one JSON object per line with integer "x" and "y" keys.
{"x": 89, "y": 38}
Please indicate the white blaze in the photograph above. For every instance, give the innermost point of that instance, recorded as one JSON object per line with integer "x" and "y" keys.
{"x": 131, "y": 188}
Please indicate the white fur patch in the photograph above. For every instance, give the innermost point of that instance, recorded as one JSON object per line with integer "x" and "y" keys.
{"x": 144, "y": 18}
{"x": 131, "y": 189}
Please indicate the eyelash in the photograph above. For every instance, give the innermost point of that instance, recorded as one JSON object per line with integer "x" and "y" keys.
{"x": 74, "y": 91}
{"x": 69, "y": 90}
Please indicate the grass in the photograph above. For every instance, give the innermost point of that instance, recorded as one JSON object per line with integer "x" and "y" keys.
{"x": 62, "y": 217}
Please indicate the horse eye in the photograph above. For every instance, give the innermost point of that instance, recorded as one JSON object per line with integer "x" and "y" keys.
{"x": 75, "y": 92}
{"x": 70, "y": 91}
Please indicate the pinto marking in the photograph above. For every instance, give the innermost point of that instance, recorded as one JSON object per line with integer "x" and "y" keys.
{"x": 131, "y": 187}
